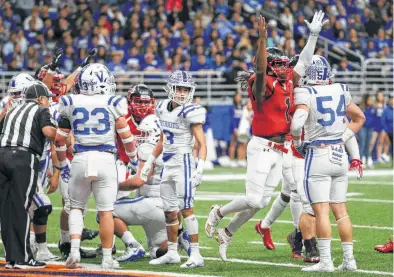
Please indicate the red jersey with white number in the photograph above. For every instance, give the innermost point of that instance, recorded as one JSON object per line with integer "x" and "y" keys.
{"x": 133, "y": 128}
{"x": 274, "y": 116}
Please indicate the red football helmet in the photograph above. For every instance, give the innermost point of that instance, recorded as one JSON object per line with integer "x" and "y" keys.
{"x": 58, "y": 78}
{"x": 141, "y": 101}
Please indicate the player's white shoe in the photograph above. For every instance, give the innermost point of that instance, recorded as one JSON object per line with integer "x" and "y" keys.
{"x": 184, "y": 242}
{"x": 348, "y": 265}
{"x": 370, "y": 162}
{"x": 224, "y": 241}
{"x": 320, "y": 267}
{"x": 44, "y": 255}
{"x": 132, "y": 254}
{"x": 73, "y": 260}
{"x": 212, "y": 221}
{"x": 194, "y": 260}
{"x": 171, "y": 257}
{"x": 385, "y": 158}
{"x": 109, "y": 263}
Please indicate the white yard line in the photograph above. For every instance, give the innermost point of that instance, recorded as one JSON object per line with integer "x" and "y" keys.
{"x": 277, "y": 221}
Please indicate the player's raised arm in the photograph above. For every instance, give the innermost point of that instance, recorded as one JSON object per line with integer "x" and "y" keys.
{"x": 259, "y": 85}
{"x": 306, "y": 54}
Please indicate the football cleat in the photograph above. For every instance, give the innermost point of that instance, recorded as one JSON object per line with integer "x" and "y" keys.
{"x": 295, "y": 241}
{"x": 266, "y": 236}
{"x": 89, "y": 234}
{"x": 195, "y": 260}
{"x": 320, "y": 267}
{"x": 65, "y": 249}
{"x": 109, "y": 263}
{"x": 224, "y": 241}
{"x": 171, "y": 257}
{"x": 132, "y": 254}
{"x": 44, "y": 255}
{"x": 184, "y": 242}
{"x": 348, "y": 265}
{"x": 386, "y": 248}
{"x": 212, "y": 221}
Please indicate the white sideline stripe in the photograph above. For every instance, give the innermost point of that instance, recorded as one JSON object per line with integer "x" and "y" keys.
{"x": 369, "y": 200}
{"x": 241, "y": 176}
{"x": 97, "y": 267}
{"x": 277, "y": 221}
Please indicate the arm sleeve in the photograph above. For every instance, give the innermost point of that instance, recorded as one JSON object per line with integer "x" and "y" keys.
{"x": 144, "y": 151}
{"x": 195, "y": 114}
{"x": 45, "y": 118}
{"x": 306, "y": 55}
{"x": 352, "y": 148}
{"x": 302, "y": 96}
{"x": 298, "y": 121}
{"x": 118, "y": 106}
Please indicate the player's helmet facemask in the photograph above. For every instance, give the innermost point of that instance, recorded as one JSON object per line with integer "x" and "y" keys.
{"x": 141, "y": 101}
{"x": 57, "y": 83}
{"x": 277, "y": 64}
{"x": 17, "y": 87}
{"x": 319, "y": 71}
{"x": 180, "y": 87}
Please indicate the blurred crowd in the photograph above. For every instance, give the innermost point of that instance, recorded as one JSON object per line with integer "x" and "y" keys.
{"x": 190, "y": 35}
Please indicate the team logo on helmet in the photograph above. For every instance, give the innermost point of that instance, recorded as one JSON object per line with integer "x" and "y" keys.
{"x": 319, "y": 72}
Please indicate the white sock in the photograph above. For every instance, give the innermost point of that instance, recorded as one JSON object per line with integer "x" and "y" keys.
{"x": 237, "y": 205}
{"x": 107, "y": 253}
{"x": 172, "y": 246}
{"x": 129, "y": 240}
{"x": 113, "y": 241}
{"x": 75, "y": 244}
{"x": 347, "y": 250}
{"x": 325, "y": 250}
{"x": 296, "y": 211}
{"x": 191, "y": 224}
{"x": 64, "y": 236}
{"x": 240, "y": 218}
{"x": 194, "y": 248}
{"x": 32, "y": 237}
{"x": 75, "y": 222}
{"x": 276, "y": 210}
{"x": 42, "y": 246}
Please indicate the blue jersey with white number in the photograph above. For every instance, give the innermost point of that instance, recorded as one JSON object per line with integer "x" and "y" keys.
{"x": 92, "y": 119}
{"x": 176, "y": 125}
{"x": 327, "y": 110}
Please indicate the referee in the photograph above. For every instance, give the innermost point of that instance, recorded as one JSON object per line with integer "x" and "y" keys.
{"x": 23, "y": 133}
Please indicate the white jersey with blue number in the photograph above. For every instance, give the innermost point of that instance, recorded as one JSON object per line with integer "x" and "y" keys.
{"x": 92, "y": 119}
{"x": 176, "y": 125}
{"x": 152, "y": 186}
{"x": 327, "y": 110}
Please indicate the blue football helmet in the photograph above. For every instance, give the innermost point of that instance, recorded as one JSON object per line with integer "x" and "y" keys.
{"x": 319, "y": 72}
{"x": 180, "y": 79}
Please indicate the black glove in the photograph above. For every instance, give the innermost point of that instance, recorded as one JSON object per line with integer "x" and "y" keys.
{"x": 57, "y": 53}
{"x": 91, "y": 53}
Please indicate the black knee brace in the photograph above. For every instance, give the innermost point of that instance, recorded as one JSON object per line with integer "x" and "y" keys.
{"x": 41, "y": 215}
{"x": 285, "y": 197}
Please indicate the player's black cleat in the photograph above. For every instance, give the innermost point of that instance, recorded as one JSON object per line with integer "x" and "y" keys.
{"x": 89, "y": 234}
{"x": 99, "y": 250}
{"x": 311, "y": 251}
{"x": 65, "y": 249}
{"x": 295, "y": 240}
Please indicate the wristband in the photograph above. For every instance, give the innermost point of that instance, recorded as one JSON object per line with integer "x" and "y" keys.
{"x": 62, "y": 133}
{"x": 78, "y": 69}
{"x": 128, "y": 140}
{"x": 151, "y": 159}
{"x": 123, "y": 130}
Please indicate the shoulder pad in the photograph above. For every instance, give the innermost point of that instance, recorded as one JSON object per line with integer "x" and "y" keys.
{"x": 118, "y": 105}
{"x": 194, "y": 114}
{"x": 346, "y": 93}
{"x": 161, "y": 105}
{"x": 144, "y": 151}
{"x": 67, "y": 100}
{"x": 302, "y": 95}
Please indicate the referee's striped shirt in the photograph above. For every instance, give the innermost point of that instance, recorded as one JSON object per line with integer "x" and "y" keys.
{"x": 22, "y": 127}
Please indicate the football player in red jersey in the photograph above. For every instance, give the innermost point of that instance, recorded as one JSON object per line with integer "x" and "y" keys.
{"x": 271, "y": 92}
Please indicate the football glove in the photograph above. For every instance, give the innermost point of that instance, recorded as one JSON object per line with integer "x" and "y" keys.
{"x": 358, "y": 165}
{"x": 91, "y": 53}
{"x": 316, "y": 24}
{"x": 57, "y": 53}
{"x": 197, "y": 178}
{"x": 65, "y": 173}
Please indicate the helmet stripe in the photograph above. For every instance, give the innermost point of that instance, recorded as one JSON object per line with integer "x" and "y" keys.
{"x": 184, "y": 76}
{"x": 323, "y": 60}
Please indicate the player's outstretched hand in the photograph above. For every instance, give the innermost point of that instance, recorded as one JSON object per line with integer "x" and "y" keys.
{"x": 57, "y": 53}
{"x": 358, "y": 165}
{"x": 262, "y": 27}
{"x": 317, "y": 23}
{"x": 91, "y": 53}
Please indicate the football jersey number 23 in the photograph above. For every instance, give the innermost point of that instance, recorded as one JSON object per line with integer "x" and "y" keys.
{"x": 104, "y": 125}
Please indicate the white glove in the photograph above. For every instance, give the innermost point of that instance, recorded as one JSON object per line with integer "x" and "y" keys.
{"x": 147, "y": 168}
{"x": 197, "y": 176}
{"x": 316, "y": 24}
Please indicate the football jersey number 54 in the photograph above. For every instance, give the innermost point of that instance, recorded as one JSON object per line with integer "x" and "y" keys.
{"x": 340, "y": 110}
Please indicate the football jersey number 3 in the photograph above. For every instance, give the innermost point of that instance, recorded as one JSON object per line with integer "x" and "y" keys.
{"x": 104, "y": 121}
{"x": 340, "y": 111}
{"x": 169, "y": 136}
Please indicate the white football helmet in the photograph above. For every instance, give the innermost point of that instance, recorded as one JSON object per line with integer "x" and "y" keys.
{"x": 319, "y": 71}
{"x": 180, "y": 79}
{"x": 17, "y": 86}
{"x": 95, "y": 78}
{"x": 150, "y": 130}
